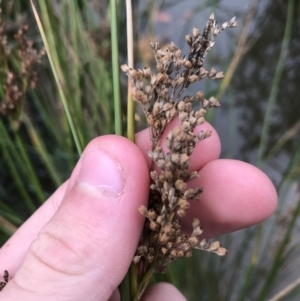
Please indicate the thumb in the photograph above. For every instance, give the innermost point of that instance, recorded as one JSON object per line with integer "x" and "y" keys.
{"x": 85, "y": 250}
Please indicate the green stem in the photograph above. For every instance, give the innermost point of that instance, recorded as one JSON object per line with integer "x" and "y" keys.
{"x": 18, "y": 181}
{"x": 59, "y": 82}
{"x": 37, "y": 142}
{"x": 144, "y": 283}
{"x": 265, "y": 131}
{"x": 30, "y": 168}
{"x": 276, "y": 82}
{"x": 130, "y": 59}
{"x": 124, "y": 288}
{"x": 133, "y": 281}
{"x": 146, "y": 279}
{"x": 279, "y": 257}
{"x": 115, "y": 67}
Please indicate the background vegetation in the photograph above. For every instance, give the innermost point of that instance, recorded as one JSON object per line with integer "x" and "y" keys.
{"x": 258, "y": 121}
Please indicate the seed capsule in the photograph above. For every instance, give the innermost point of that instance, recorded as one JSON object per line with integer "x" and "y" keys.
{"x": 189, "y": 39}
{"x": 196, "y": 32}
{"x": 188, "y": 64}
{"x": 147, "y": 72}
{"x": 124, "y": 68}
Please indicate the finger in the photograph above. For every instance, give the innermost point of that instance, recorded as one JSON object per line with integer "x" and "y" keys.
{"x": 235, "y": 195}
{"x": 163, "y": 292}
{"x": 204, "y": 152}
{"x": 13, "y": 252}
{"x": 94, "y": 232}
{"x": 115, "y": 296}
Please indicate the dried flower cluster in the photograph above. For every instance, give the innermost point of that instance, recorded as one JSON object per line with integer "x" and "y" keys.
{"x": 17, "y": 79}
{"x": 3, "y": 283}
{"x": 161, "y": 97}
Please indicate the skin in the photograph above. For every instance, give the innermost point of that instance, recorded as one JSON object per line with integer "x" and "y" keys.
{"x": 80, "y": 243}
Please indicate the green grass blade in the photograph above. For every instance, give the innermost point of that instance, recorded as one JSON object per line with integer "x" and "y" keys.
{"x": 13, "y": 218}
{"x": 115, "y": 67}
{"x": 278, "y": 259}
{"x": 276, "y": 82}
{"x": 59, "y": 82}
{"x": 13, "y": 170}
{"x": 30, "y": 170}
{"x": 288, "y": 289}
{"x": 37, "y": 141}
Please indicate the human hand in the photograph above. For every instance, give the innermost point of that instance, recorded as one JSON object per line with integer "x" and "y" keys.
{"x": 80, "y": 243}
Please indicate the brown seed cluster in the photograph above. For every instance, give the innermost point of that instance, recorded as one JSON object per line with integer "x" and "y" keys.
{"x": 161, "y": 96}
{"x": 20, "y": 77}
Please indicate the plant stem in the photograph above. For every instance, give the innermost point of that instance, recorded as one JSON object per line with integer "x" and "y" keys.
{"x": 8, "y": 157}
{"x": 133, "y": 285}
{"x": 144, "y": 283}
{"x": 146, "y": 278}
{"x": 115, "y": 67}
{"x": 58, "y": 81}
{"x": 286, "y": 290}
{"x": 40, "y": 148}
{"x": 276, "y": 82}
{"x": 130, "y": 59}
{"x": 279, "y": 256}
{"x": 130, "y": 121}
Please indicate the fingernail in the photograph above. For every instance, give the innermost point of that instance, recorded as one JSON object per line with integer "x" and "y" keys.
{"x": 102, "y": 171}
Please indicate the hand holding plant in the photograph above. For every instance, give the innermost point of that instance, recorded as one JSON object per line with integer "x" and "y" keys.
{"x": 80, "y": 243}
